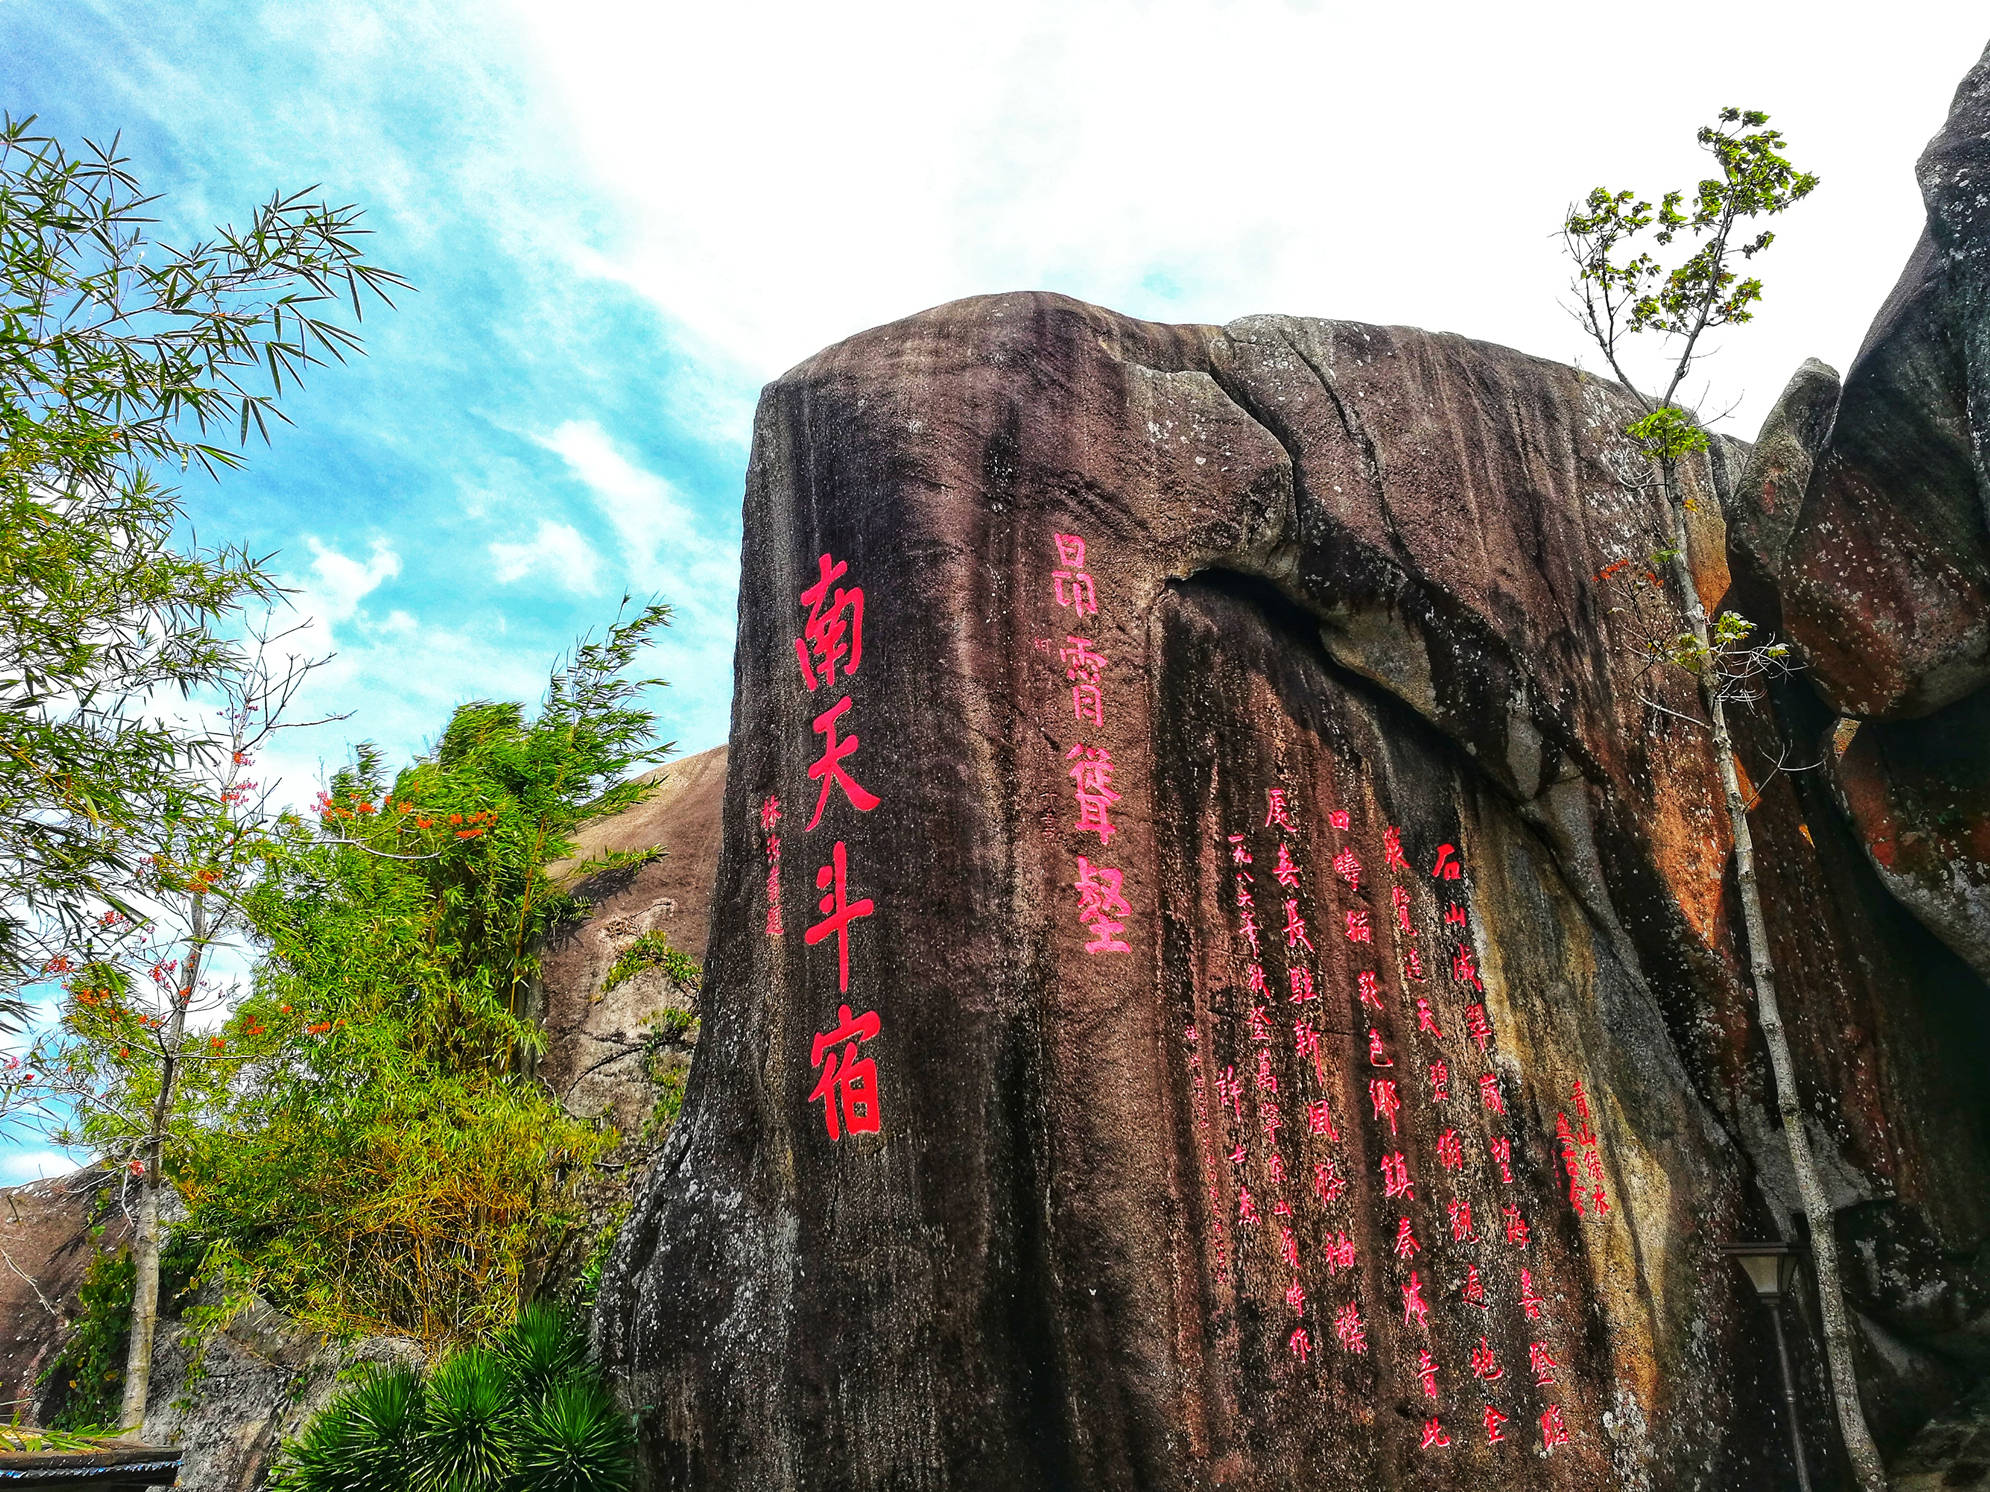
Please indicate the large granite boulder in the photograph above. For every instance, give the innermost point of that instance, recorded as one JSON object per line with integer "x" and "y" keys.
{"x": 1222, "y": 967}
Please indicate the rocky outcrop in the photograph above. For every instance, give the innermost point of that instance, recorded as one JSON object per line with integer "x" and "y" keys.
{"x": 1884, "y": 571}
{"x": 48, "y": 1235}
{"x": 1235, "y": 725}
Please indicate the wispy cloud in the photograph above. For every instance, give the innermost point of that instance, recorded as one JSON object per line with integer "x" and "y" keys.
{"x": 556, "y": 551}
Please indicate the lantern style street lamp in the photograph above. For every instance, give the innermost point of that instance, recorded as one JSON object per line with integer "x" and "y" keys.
{"x": 1772, "y": 1269}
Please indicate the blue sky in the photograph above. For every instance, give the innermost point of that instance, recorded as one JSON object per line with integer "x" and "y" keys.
{"x": 623, "y": 218}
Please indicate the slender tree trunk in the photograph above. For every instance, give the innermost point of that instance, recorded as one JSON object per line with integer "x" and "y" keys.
{"x": 146, "y": 1238}
{"x": 1838, "y": 1352}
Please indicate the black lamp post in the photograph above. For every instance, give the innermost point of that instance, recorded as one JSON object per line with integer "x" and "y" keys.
{"x": 1772, "y": 1270}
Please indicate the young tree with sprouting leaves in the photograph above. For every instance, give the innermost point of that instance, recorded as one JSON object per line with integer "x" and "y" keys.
{"x": 125, "y": 361}
{"x": 1627, "y": 289}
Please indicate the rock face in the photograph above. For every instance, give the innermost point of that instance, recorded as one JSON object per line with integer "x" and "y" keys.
{"x": 45, "y": 1247}
{"x": 604, "y": 1044}
{"x": 1295, "y": 1028}
{"x": 1884, "y": 565}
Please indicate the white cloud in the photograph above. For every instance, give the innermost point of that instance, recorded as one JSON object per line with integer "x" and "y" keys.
{"x": 557, "y": 550}
{"x": 19, "y": 1166}
{"x": 787, "y": 174}
{"x": 342, "y": 582}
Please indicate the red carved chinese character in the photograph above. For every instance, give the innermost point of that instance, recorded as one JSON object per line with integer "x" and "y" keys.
{"x": 1378, "y": 1056}
{"x": 1099, "y": 902}
{"x": 1464, "y": 970}
{"x": 1426, "y": 1369}
{"x": 1348, "y": 1330}
{"x": 1461, "y": 1222}
{"x": 1529, "y": 1301}
{"x": 1229, "y": 1090}
{"x": 1485, "y": 1364}
{"x": 1088, "y": 704}
{"x": 1267, "y": 1079}
{"x": 1244, "y": 897}
{"x": 1275, "y": 1168}
{"x": 1238, "y": 854}
{"x": 1295, "y": 926}
{"x": 1489, "y": 1093}
{"x": 1237, "y": 1156}
{"x": 838, "y": 911}
{"x": 1302, "y": 984}
{"x": 1516, "y": 1226}
{"x": 848, "y": 1082}
{"x": 1358, "y": 930}
{"x": 1328, "y": 1183}
{"x": 1260, "y": 1023}
{"x": 1248, "y": 926}
{"x": 1412, "y": 963}
{"x": 823, "y": 633}
{"x": 774, "y": 927}
{"x": 1580, "y": 1099}
{"x": 1392, "y": 849}
{"x": 1477, "y": 1026}
{"x": 1425, "y": 1020}
{"x": 1447, "y": 868}
{"x": 1599, "y": 1202}
{"x": 1079, "y": 661}
{"x": 1247, "y": 1210}
{"x": 1414, "y": 1310}
{"x": 1454, "y": 915}
{"x": 1406, "y": 1245}
{"x": 1299, "y": 1342}
{"x": 1449, "y": 1154}
{"x": 1553, "y": 1432}
{"x": 1440, "y": 1082}
{"x": 829, "y": 766}
{"x": 1493, "y": 1420}
{"x": 1434, "y": 1437}
{"x": 1271, "y": 1119}
{"x": 1400, "y": 900}
{"x": 1474, "y": 1291}
{"x": 1595, "y": 1166}
{"x": 1541, "y": 1364}
{"x": 1280, "y": 1208}
{"x": 1306, "y": 1043}
{"x": 1320, "y": 1120}
{"x": 1502, "y": 1154}
{"x": 1340, "y": 1253}
{"x": 1348, "y": 867}
{"x": 1288, "y": 1246}
{"x": 1369, "y": 987}
{"x": 1285, "y": 870}
{"x": 1396, "y": 1177}
{"x": 1382, "y": 1095}
{"x": 1276, "y": 811}
{"x": 1338, "y": 818}
{"x": 1093, "y": 777}
{"x": 1254, "y": 980}
{"x": 770, "y": 815}
{"x": 1079, "y": 595}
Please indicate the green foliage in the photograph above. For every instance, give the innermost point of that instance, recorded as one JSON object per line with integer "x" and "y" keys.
{"x": 1628, "y": 290}
{"x": 392, "y": 1166}
{"x": 363, "y": 1441}
{"x": 652, "y": 951}
{"x": 526, "y": 1413}
{"x": 118, "y": 355}
{"x": 463, "y": 1444}
{"x": 574, "y": 1440}
{"x": 88, "y": 1373}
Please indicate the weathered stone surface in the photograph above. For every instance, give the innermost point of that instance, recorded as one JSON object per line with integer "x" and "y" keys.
{"x": 1354, "y": 563}
{"x": 1888, "y": 584}
{"x": 602, "y": 1041}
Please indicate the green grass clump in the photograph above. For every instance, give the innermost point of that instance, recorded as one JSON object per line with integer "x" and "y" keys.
{"x": 652, "y": 951}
